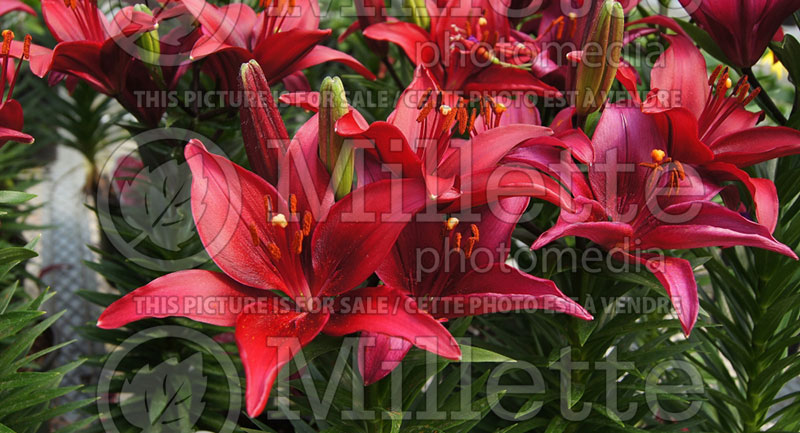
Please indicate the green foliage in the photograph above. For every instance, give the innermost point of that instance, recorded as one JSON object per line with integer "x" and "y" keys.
{"x": 751, "y": 353}
{"x": 27, "y": 383}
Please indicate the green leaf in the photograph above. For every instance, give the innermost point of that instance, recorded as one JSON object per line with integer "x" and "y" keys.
{"x": 11, "y": 323}
{"x": 477, "y": 354}
{"x": 10, "y": 257}
{"x": 557, "y": 425}
{"x": 14, "y": 197}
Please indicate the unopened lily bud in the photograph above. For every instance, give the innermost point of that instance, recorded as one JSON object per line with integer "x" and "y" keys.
{"x": 600, "y": 58}
{"x": 148, "y": 43}
{"x": 335, "y": 153}
{"x": 419, "y": 13}
{"x": 263, "y": 132}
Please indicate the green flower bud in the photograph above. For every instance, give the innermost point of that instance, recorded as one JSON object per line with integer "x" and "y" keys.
{"x": 334, "y": 151}
{"x": 600, "y": 59}
{"x": 419, "y": 13}
{"x": 149, "y": 45}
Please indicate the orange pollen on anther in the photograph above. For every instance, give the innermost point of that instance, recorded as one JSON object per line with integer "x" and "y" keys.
{"x": 297, "y": 242}
{"x": 26, "y": 47}
{"x": 458, "y": 241}
{"x": 424, "y": 100}
{"x": 8, "y": 36}
{"x": 658, "y": 155}
{"x": 472, "y": 117}
{"x": 292, "y": 204}
{"x": 253, "y": 234}
{"x": 475, "y": 233}
{"x": 714, "y": 75}
{"x": 307, "y": 220}
{"x": 274, "y": 251}
{"x": 451, "y": 223}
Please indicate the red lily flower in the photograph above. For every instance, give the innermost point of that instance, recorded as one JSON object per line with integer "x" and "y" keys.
{"x": 264, "y": 241}
{"x": 459, "y": 269}
{"x": 741, "y": 29}
{"x": 104, "y": 53}
{"x": 11, "y": 118}
{"x": 701, "y": 108}
{"x": 468, "y": 48}
{"x": 283, "y": 39}
{"x": 15, "y": 5}
{"x": 421, "y": 140}
{"x": 643, "y": 198}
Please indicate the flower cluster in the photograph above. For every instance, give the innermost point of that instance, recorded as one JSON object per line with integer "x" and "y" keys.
{"x": 391, "y": 227}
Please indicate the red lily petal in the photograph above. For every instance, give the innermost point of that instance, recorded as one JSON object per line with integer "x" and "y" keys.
{"x": 227, "y": 204}
{"x": 555, "y": 161}
{"x": 751, "y": 146}
{"x": 492, "y": 184}
{"x": 63, "y": 24}
{"x": 177, "y": 295}
{"x": 279, "y": 53}
{"x": 488, "y": 148}
{"x": 496, "y": 78}
{"x": 7, "y": 134}
{"x": 388, "y": 311}
{"x": 15, "y": 5}
{"x": 221, "y": 23}
{"x": 379, "y": 354}
{"x": 85, "y": 61}
{"x": 765, "y": 196}
{"x": 413, "y": 39}
{"x": 307, "y": 100}
{"x": 360, "y": 230}
{"x": 389, "y": 142}
{"x": 207, "y": 45}
{"x": 503, "y": 288}
{"x": 605, "y": 233}
{"x": 322, "y": 54}
{"x": 700, "y": 224}
{"x": 269, "y": 340}
{"x": 677, "y": 277}
{"x": 629, "y": 78}
{"x": 681, "y": 72}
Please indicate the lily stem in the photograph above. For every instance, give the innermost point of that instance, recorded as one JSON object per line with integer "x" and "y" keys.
{"x": 763, "y": 99}
{"x": 393, "y": 73}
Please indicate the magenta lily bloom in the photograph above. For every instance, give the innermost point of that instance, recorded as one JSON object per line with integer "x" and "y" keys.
{"x": 642, "y": 198}
{"x": 702, "y": 108}
{"x": 283, "y": 38}
{"x": 741, "y": 29}
{"x": 459, "y": 269}
{"x": 265, "y": 241}
{"x": 468, "y": 52}
{"x": 421, "y": 140}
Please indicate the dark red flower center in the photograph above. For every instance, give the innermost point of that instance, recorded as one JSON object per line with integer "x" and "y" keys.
{"x": 660, "y": 160}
